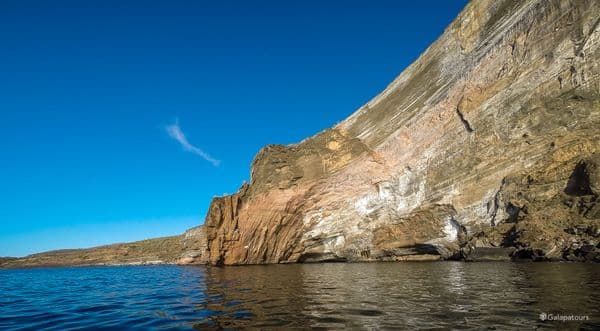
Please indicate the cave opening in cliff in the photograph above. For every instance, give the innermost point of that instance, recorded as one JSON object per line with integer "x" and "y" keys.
{"x": 579, "y": 181}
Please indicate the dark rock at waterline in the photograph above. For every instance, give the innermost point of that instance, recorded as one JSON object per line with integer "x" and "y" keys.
{"x": 487, "y": 254}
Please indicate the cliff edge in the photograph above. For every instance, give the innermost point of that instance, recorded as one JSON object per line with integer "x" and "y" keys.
{"x": 486, "y": 147}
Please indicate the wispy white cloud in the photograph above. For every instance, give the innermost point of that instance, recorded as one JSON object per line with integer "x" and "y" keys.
{"x": 175, "y": 132}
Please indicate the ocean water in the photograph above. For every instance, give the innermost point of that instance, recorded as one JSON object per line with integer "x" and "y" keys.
{"x": 331, "y": 296}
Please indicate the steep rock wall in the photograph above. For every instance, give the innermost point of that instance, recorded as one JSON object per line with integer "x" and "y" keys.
{"x": 475, "y": 145}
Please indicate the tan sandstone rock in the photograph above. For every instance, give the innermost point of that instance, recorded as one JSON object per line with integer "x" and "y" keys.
{"x": 490, "y": 139}
{"x": 485, "y": 148}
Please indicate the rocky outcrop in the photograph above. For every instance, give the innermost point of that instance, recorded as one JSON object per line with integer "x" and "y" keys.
{"x": 487, "y": 145}
{"x": 487, "y": 148}
{"x": 550, "y": 213}
{"x": 193, "y": 246}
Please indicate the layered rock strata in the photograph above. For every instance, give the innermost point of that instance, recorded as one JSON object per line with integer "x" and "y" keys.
{"x": 485, "y": 147}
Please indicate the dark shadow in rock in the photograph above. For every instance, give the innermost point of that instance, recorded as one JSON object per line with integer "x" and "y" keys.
{"x": 510, "y": 237}
{"x": 417, "y": 249}
{"x": 513, "y": 213}
{"x": 488, "y": 254}
{"x": 464, "y": 121}
{"x": 579, "y": 182}
{"x": 530, "y": 254}
{"x": 320, "y": 258}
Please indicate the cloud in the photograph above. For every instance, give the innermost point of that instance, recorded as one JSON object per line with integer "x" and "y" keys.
{"x": 175, "y": 132}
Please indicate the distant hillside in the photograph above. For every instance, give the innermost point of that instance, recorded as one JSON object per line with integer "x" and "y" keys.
{"x": 165, "y": 250}
{"x": 5, "y": 259}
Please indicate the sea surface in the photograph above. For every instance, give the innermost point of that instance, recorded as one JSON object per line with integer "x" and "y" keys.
{"x": 330, "y": 296}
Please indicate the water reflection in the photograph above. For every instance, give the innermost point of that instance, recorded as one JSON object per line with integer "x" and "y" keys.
{"x": 331, "y": 296}
{"x": 401, "y": 295}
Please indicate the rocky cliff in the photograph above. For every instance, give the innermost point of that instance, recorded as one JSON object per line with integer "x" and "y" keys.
{"x": 487, "y": 146}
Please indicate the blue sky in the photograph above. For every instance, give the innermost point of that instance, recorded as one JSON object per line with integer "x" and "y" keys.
{"x": 120, "y": 120}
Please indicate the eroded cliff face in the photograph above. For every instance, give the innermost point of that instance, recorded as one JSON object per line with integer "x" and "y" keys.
{"x": 487, "y": 146}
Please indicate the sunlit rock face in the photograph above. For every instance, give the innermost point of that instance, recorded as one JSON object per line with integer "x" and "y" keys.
{"x": 491, "y": 139}
{"x": 193, "y": 243}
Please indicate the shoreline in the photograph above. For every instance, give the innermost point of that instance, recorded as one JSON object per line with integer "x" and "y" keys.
{"x": 142, "y": 264}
